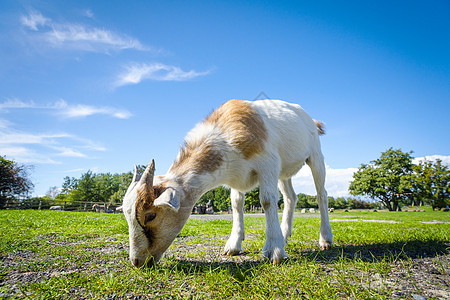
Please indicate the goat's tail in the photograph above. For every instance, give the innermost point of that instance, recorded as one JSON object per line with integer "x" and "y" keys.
{"x": 320, "y": 127}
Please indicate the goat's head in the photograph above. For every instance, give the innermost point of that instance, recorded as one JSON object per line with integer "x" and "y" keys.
{"x": 154, "y": 216}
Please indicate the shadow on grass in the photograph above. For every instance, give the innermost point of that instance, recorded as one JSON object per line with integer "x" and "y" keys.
{"x": 237, "y": 270}
{"x": 380, "y": 252}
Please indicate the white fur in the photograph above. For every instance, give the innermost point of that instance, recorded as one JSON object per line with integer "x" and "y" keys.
{"x": 292, "y": 140}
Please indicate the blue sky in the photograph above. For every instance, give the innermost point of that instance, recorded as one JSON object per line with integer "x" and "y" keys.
{"x": 102, "y": 85}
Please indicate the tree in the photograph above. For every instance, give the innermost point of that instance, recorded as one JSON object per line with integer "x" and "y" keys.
{"x": 102, "y": 187}
{"x": 252, "y": 199}
{"x": 14, "y": 181}
{"x": 341, "y": 202}
{"x": 306, "y": 201}
{"x": 431, "y": 182}
{"x": 124, "y": 181}
{"x": 87, "y": 190}
{"x": 387, "y": 178}
{"x": 70, "y": 183}
{"x": 219, "y": 196}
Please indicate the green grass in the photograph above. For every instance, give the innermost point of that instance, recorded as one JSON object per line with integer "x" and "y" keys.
{"x": 60, "y": 255}
{"x": 414, "y": 216}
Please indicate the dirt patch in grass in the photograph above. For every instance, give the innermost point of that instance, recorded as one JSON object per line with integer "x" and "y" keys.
{"x": 428, "y": 277}
{"x": 409, "y": 275}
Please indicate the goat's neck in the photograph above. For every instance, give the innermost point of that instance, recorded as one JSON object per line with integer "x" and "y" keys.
{"x": 196, "y": 179}
{"x": 194, "y": 185}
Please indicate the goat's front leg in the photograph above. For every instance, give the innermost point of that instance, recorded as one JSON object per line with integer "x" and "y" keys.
{"x": 274, "y": 246}
{"x": 234, "y": 243}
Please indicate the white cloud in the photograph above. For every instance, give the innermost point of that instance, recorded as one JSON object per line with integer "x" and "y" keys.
{"x": 336, "y": 183}
{"x": 4, "y": 124}
{"x": 444, "y": 158}
{"x": 135, "y": 73}
{"x": 90, "y": 39}
{"x": 80, "y": 110}
{"x": 26, "y": 155}
{"x": 88, "y": 13}
{"x": 49, "y": 147}
{"x": 28, "y": 147}
{"x": 78, "y": 36}
{"x": 74, "y": 170}
{"x": 34, "y": 20}
{"x": 16, "y": 103}
{"x": 62, "y": 108}
{"x": 42, "y": 148}
{"x": 69, "y": 152}
{"x": 17, "y": 137}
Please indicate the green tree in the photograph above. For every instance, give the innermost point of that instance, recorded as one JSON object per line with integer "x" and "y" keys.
{"x": 252, "y": 199}
{"x": 124, "y": 181}
{"x": 387, "y": 179}
{"x": 91, "y": 187}
{"x": 87, "y": 189}
{"x": 219, "y": 196}
{"x": 302, "y": 201}
{"x": 69, "y": 184}
{"x": 306, "y": 201}
{"x": 431, "y": 182}
{"x": 341, "y": 203}
{"x": 14, "y": 181}
{"x": 107, "y": 185}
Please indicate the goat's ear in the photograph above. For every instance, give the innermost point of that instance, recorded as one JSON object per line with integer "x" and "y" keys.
{"x": 168, "y": 199}
{"x": 136, "y": 175}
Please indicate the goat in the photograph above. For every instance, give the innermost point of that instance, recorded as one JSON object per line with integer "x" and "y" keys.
{"x": 99, "y": 208}
{"x": 112, "y": 208}
{"x": 242, "y": 144}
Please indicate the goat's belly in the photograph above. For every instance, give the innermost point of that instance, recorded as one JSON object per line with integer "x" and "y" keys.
{"x": 290, "y": 170}
{"x": 244, "y": 182}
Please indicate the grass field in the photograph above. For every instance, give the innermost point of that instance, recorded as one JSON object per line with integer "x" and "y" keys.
{"x": 377, "y": 255}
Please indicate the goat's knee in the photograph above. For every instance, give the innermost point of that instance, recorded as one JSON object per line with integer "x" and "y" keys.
{"x": 266, "y": 204}
{"x": 268, "y": 200}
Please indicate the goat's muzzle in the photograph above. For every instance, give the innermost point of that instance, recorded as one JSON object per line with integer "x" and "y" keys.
{"x": 148, "y": 263}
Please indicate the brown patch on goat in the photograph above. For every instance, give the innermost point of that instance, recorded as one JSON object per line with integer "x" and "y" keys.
{"x": 320, "y": 127}
{"x": 146, "y": 195}
{"x": 146, "y": 211}
{"x": 197, "y": 156}
{"x": 242, "y": 123}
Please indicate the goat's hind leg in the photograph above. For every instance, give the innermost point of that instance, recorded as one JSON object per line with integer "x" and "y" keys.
{"x": 234, "y": 243}
{"x": 317, "y": 165}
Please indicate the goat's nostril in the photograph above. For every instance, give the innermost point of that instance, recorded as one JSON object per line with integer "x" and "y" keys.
{"x": 136, "y": 262}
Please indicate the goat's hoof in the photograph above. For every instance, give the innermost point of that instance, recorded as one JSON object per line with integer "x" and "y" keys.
{"x": 231, "y": 252}
{"x": 277, "y": 260}
{"x": 276, "y": 256}
{"x": 325, "y": 245}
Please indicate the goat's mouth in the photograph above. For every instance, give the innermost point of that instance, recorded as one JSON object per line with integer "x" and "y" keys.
{"x": 148, "y": 262}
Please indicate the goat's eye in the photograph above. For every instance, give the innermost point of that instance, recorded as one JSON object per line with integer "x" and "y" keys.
{"x": 150, "y": 217}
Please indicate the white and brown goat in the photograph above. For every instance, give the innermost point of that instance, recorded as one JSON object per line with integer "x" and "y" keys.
{"x": 242, "y": 144}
